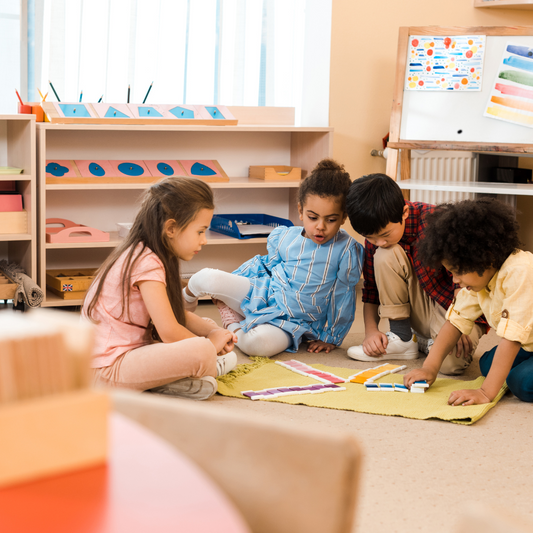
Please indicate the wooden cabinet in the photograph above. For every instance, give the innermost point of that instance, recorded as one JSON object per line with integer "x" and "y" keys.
{"x": 104, "y": 205}
{"x": 17, "y": 150}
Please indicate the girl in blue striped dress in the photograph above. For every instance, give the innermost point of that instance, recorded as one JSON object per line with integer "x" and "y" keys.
{"x": 304, "y": 288}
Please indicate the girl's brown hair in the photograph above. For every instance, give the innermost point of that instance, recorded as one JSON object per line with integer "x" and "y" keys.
{"x": 180, "y": 199}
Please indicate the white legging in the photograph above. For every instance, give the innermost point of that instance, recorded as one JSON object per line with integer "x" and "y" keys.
{"x": 264, "y": 340}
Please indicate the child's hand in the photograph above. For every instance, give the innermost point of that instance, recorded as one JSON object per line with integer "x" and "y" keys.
{"x": 318, "y": 346}
{"x": 222, "y": 339}
{"x": 468, "y": 397}
{"x": 419, "y": 374}
{"x": 375, "y": 344}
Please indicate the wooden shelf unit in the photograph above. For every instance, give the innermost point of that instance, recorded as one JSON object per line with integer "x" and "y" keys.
{"x": 505, "y": 4}
{"x": 104, "y": 205}
{"x": 17, "y": 149}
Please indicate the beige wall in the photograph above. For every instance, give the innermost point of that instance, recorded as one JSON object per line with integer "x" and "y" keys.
{"x": 364, "y": 40}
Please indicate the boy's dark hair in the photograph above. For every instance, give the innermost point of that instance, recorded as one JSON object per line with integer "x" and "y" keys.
{"x": 471, "y": 236}
{"x": 373, "y": 202}
{"x": 328, "y": 179}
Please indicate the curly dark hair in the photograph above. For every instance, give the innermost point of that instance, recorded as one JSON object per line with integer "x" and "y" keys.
{"x": 327, "y": 179}
{"x": 471, "y": 236}
{"x": 374, "y": 201}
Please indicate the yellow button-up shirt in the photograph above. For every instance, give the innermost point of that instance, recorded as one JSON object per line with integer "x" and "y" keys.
{"x": 506, "y": 302}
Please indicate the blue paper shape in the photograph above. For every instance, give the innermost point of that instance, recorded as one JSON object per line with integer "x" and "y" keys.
{"x": 214, "y": 112}
{"x": 96, "y": 170}
{"x": 202, "y": 170}
{"x": 131, "y": 169}
{"x": 181, "y": 112}
{"x": 115, "y": 113}
{"x": 165, "y": 169}
{"x": 74, "y": 110}
{"x": 56, "y": 169}
{"x": 149, "y": 112}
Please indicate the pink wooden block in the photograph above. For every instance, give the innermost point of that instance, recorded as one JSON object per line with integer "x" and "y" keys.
{"x": 187, "y": 165}
{"x": 60, "y": 168}
{"x": 71, "y": 232}
{"x": 84, "y": 168}
{"x": 112, "y": 110}
{"x": 117, "y": 166}
{"x": 10, "y": 202}
{"x": 152, "y": 166}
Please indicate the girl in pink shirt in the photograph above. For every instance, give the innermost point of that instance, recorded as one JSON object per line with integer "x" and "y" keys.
{"x": 136, "y": 298}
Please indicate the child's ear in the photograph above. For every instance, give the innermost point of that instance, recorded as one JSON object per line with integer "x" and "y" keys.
{"x": 300, "y": 211}
{"x": 170, "y": 229}
{"x": 405, "y": 212}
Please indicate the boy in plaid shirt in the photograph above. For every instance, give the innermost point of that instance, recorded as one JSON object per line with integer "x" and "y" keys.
{"x": 396, "y": 284}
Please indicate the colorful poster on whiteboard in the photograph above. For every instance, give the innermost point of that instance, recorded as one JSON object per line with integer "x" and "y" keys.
{"x": 511, "y": 98}
{"x": 443, "y": 63}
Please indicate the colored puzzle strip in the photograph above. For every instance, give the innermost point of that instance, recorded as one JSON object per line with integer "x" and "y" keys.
{"x": 309, "y": 371}
{"x": 269, "y": 394}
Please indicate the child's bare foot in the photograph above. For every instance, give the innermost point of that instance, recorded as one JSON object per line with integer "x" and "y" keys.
{"x": 227, "y": 314}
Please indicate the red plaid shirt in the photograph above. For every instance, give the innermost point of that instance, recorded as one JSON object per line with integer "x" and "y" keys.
{"x": 438, "y": 284}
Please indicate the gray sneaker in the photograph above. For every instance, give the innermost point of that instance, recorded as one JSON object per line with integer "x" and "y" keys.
{"x": 226, "y": 363}
{"x": 192, "y": 388}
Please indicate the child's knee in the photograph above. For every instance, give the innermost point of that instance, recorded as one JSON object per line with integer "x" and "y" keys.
{"x": 261, "y": 342}
{"x": 389, "y": 257}
{"x": 521, "y": 386}
{"x": 454, "y": 366}
{"x": 203, "y": 282}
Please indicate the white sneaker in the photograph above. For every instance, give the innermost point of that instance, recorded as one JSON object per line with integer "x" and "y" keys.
{"x": 396, "y": 350}
{"x": 192, "y": 388}
{"x": 226, "y": 363}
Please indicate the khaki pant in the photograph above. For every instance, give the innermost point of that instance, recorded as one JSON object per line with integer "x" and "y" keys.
{"x": 160, "y": 363}
{"x": 401, "y": 297}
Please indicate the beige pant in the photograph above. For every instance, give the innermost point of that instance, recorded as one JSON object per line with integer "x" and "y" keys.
{"x": 401, "y": 297}
{"x": 160, "y": 363}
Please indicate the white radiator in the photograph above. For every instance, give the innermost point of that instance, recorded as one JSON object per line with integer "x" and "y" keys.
{"x": 442, "y": 166}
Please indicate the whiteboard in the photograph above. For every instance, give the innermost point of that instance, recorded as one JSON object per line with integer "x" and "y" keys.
{"x": 441, "y": 115}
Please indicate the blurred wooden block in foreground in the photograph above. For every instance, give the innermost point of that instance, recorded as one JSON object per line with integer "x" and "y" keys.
{"x": 50, "y": 420}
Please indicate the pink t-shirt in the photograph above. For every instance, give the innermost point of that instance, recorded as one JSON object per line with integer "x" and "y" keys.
{"x": 115, "y": 335}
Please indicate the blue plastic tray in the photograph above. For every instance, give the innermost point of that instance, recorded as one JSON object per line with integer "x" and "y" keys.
{"x": 227, "y": 224}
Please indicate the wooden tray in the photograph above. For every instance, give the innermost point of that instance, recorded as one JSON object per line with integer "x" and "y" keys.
{"x": 276, "y": 173}
{"x": 7, "y": 288}
{"x": 68, "y": 283}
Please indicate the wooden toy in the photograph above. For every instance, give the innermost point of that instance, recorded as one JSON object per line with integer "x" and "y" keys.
{"x": 10, "y": 202}
{"x": 269, "y": 394}
{"x": 94, "y": 169}
{"x": 71, "y": 232}
{"x": 69, "y": 283}
{"x": 130, "y": 169}
{"x": 14, "y": 222}
{"x": 375, "y": 373}
{"x": 136, "y": 114}
{"x": 50, "y": 420}
{"x": 164, "y": 169}
{"x": 206, "y": 170}
{"x": 309, "y": 371}
{"x": 59, "y": 168}
{"x": 7, "y": 287}
{"x": 276, "y": 173}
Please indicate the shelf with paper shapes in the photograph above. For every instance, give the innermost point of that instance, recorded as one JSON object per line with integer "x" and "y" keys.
{"x": 138, "y": 114}
{"x": 59, "y": 171}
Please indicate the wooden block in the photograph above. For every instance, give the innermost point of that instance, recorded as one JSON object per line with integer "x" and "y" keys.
{"x": 217, "y": 114}
{"x": 10, "y": 202}
{"x": 60, "y": 168}
{"x": 74, "y": 295}
{"x": 163, "y": 169}
{"x": 94, "y": 168}
{"x": 130, "y": 169}
{"x": 72, "y": 232}
{"x": 7, "y": 288}
{"x": 70, "y": 280}
{"x": 206, "y": 170}
{"x": 113, "y": 111}
{"x": 52, "y": 435}
{"x": 14, "y": 222}
{"x": 276, "y": 173}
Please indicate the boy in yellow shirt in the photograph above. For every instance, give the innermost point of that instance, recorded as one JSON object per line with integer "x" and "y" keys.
{"x": 477, "y": 242}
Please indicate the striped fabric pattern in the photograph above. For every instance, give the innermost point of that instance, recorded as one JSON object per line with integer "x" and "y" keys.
{"x": 304, "y": 288}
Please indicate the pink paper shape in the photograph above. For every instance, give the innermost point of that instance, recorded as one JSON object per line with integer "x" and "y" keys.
{"x": 83, "y": 167}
